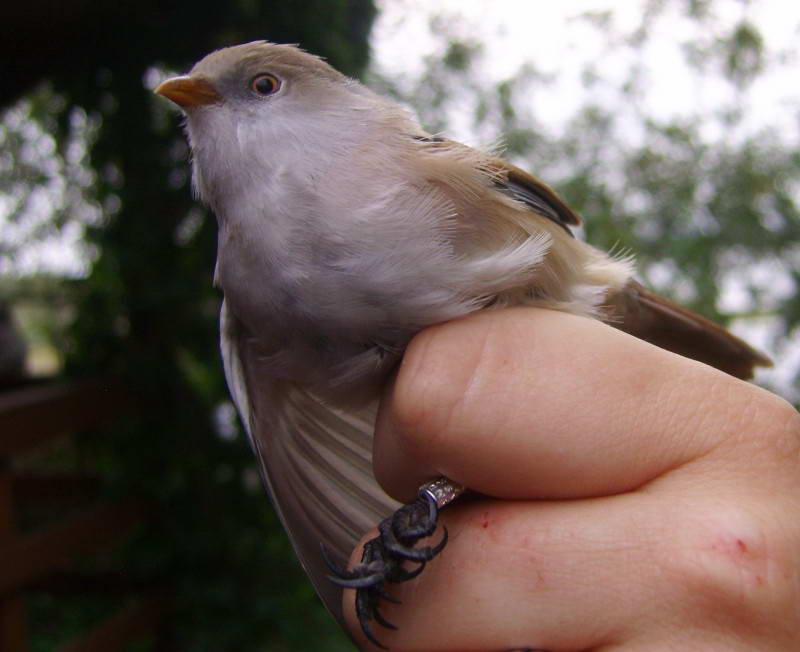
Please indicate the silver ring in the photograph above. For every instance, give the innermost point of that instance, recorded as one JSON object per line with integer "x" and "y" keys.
{"x": 442, "y": 491}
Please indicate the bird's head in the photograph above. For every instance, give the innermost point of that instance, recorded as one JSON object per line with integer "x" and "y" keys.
{"x": 254, "y": 108}
{"x": 253, "y": 78}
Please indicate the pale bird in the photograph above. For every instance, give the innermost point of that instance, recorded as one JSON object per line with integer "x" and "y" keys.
{"x": 345, "y": 228}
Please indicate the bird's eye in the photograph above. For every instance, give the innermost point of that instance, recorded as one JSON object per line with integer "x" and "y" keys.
{"x": 265, "y": 84}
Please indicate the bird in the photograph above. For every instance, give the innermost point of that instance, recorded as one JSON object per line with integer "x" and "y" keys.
{"x": 345, "y": 228}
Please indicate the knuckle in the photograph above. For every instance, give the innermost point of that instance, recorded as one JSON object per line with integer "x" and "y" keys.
{"x": 785, "y": 431}
{"x": 430, "y": 386}
{"x": 734, "y": 565}
{"x": 766, "y": 424}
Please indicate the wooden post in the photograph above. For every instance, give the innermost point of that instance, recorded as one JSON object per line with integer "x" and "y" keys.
{"x": 32, "y": 417}
{"x": 13, "y": 617}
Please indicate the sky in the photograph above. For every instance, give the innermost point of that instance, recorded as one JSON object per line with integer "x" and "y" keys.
{"x": 552, "y": 36}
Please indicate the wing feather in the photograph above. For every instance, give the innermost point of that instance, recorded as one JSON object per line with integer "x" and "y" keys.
{"x": 315, "y": 460}
{"x": 513, "y": 181}
{"x": 537, "y": 195}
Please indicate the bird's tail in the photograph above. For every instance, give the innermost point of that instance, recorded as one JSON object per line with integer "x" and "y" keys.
{"x": 652, "y": 318}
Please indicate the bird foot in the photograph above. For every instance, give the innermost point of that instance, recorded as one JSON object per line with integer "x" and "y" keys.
{"x": 383, "y": 560}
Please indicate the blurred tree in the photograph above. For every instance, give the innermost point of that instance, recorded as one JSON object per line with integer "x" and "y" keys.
{"x": 146, "y": 310}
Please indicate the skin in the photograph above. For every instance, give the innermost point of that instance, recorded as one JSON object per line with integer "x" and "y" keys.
{"x": 640, "y": 500}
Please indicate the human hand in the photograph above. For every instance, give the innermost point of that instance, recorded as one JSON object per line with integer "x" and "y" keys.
{"x": 639, "y": 500}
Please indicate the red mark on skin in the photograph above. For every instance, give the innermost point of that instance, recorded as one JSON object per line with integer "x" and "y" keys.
{"x": 744, "y": 555}
{"x": 735, "y": 548}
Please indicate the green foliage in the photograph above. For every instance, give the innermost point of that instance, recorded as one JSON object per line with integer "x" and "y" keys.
{"x": 744, "y": 53}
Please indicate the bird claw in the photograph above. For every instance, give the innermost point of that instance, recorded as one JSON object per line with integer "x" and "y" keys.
{"x": 383, "y": 558}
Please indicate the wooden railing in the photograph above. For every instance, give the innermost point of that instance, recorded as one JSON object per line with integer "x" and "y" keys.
{"x": 32, "y": 418}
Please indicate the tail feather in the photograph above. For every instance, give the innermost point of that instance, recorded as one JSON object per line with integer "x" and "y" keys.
{"x": 652, "y": 318}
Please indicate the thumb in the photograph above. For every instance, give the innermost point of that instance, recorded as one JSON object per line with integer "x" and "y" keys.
{"x": 529, "y": 403}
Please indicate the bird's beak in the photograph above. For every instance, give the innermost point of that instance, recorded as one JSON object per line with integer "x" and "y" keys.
{"x": 187, "y": 91}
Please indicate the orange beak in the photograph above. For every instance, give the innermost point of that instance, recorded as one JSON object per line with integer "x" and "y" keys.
{"x": 188, "y": 91}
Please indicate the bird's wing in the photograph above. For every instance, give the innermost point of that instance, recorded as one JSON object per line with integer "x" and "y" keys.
{"x": 515, "y": 182}
{"x": 627, "y": 305}
{"x": 535, "y": 194}
{"x": 316, "y": 461}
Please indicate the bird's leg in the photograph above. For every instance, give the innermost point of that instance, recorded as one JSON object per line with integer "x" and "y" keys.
{"x": 383, "y": 559}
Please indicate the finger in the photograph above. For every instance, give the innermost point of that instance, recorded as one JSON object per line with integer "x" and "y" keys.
{"x": 588, "y": 575}
{"x": 528, "y": 403}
